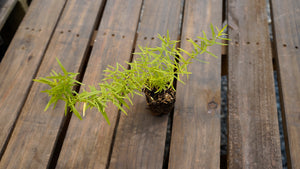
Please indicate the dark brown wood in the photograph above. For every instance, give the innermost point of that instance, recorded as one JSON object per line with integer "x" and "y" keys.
{"x": 24, "y": 5}
{"x": 224, "y": 67}
{"x": 140, "y": 138}
{"x": 11, "y": 25}
{"x": 93, "y": 38}
{"x": 287, "y": 37}
{"x": 36, "y": 131}
{"x": 6, "y": 6}
{"x": 195, "y": 141}
{"x": 88, "y": 142}
{"x": 252, "y": 119}
{"x": 22, "y": 59}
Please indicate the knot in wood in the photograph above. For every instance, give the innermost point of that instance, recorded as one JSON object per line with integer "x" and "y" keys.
{"x": 212, "y": 105}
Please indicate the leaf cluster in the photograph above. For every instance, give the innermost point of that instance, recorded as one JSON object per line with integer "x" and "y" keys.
{"x": 153, "y": 68}
{"x": 61, "y": 88}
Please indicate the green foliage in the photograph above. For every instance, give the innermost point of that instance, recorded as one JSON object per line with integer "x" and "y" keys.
{"x": 154, "y": 69}
{"x": 61, "y": 88}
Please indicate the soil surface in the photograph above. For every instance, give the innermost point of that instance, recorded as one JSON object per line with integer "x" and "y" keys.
{"x": 160, "y": 102}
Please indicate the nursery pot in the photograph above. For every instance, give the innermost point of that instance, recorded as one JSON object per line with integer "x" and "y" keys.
{"x": 160, "y": 102}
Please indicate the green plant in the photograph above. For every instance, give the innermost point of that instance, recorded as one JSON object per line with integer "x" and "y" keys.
{"x": 154, "y": 69}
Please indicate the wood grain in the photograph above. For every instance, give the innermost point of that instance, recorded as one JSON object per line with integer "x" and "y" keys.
{"x": 36, "y": 131}
{"x": 195, "y": 141}
{"x": 287, "y": 37}
{"x": 252, "y": 121}
{"x": 22, "y": 60}
{"x": 140, "y": 138}
{"x": 88, "y": 142}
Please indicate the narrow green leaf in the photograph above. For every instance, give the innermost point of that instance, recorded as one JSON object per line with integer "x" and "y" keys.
{"x": 84, "y": 109}
{"x": 212, "y": 30}
{"x": 223, "y": 29}
{"x": 74, "y": 110}
{"x": 61, "y": 66}
{"x": 211, "y": 54}
{"x": 105, "y": 117}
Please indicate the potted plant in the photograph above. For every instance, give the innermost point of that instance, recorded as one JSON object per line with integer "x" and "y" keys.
{"x": 153, "y": 71}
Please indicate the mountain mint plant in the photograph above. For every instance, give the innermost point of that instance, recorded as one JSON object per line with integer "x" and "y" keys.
{"x": 154, "y": 69}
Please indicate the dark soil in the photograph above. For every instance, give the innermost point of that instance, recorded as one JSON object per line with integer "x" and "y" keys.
{"x": 160, "y": 102}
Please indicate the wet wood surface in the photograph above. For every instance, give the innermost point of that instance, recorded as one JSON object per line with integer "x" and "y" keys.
{"x": 89, "y": 35}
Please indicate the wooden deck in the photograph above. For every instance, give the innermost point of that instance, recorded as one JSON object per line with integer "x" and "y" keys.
{"x": 89, "y": 35}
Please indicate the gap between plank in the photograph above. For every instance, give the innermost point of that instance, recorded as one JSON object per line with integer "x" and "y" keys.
{"x": 281, "y": 123}
{"x": 285, "y": 150}
{"x": 171, "y": 115}
{"x": 224, "y": 87}
{"x": 224, "y": 49}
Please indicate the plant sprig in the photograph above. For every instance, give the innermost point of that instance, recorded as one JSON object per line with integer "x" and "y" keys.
{"x": 155, "y": 69}
{"x": 61, "y": 88}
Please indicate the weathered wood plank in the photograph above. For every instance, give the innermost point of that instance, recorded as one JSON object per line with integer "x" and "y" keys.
{"x": 140, "y": 138}
{"x": 252, "y": 120}
{"x": 6, "y": 6}
{"x": 89, "y": 140}
{"x": 287, "y": 37}
{"x": 36, "y": 131}
{"x": 195, "y": 141}
{"x": 22, "y": 59}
